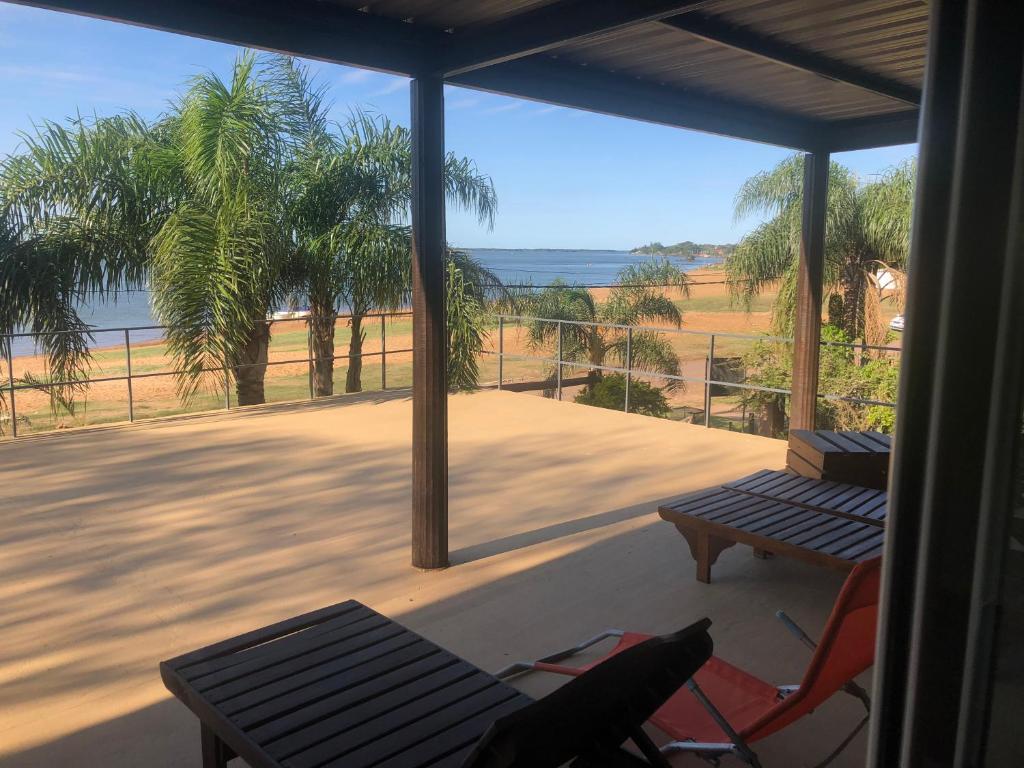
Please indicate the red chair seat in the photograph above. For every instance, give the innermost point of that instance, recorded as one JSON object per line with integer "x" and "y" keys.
{"x": 738, "y": 695}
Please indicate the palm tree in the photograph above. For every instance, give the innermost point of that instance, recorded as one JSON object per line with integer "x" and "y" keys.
{"x": 75, "y": 218}
{"x": 635, "y": 300}
{"x": 237, "y": 195}
{"x": 350, "y": 194}
{"x": 219, "y": 257}
{"x": 867, "y": 229}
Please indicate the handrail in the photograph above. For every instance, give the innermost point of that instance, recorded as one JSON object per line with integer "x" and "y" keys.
{"x": 629, "y": 370}
{"x": 12, "y": 388}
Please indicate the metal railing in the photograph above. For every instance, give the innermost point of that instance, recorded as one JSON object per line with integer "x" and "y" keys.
{"x": 629, "y": 371}
{"x": 13, "y": 387}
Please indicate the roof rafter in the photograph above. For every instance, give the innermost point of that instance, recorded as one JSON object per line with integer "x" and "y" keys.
{"x": 571, "y": 85}
{"x": 739, "y": 38}
{"x": 551, "y": 26}
{"x": 308, "y": 28}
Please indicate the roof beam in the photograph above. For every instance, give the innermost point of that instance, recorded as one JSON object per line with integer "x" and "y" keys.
{"x": 555, "y": 81}
{"x": 551, "y": 26}
{"x": 870, "y": 132}
{"x": 308, "y": 28}
{"x": 796, "y": 57}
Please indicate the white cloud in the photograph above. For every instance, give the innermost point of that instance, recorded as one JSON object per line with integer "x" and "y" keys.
{"x": 463, "y": 103}
{"x": 51, "y": 74}
{"x": 394, "y": 86}
{"x": 356, "y": 76}
{"x": 510, "y": 107}
{"x": 548, "y": 110}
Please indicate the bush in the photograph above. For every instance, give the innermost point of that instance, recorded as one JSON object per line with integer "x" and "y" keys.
{"x": 610, "y": 392}
{"x": 769, "y": 364}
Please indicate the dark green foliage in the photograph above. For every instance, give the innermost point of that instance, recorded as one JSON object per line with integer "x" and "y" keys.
{"x": 687, "y": 249}
{"x": 867, "y": 230}
{"x": 610, "y": 392}
{"x": 844, "y": 372}
{"x": 636, "y": 300}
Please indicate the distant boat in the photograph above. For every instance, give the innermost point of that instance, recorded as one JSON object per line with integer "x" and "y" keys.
{"x": 289, "y": 314}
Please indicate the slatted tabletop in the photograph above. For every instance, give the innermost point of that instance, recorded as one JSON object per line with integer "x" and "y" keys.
{"x": 343, "y": 686}
{"x": 835, "y": 524}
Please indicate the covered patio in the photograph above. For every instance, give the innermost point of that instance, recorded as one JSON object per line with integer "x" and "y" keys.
{"x": 127, "y": 545}
{"x": 551, "y": 525}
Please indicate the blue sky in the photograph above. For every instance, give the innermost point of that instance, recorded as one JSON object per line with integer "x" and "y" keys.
{"x": 565, "y": 178}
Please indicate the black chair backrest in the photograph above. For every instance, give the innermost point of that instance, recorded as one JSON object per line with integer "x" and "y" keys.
{"x": 597, "y": 711}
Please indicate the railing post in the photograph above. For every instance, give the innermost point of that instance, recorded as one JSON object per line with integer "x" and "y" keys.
{"x": 128, "y": 361}
{"x": 227, "y": 387}
{"x": 558, "y": 365}
{"x": 707, "y": 381}
{"x": 383, "y": 354}
{"x": 10, "y": 382}
{"x": 501, "y": 350}
{"x": 629, "y": 365}
{"x": 309, "y": 351}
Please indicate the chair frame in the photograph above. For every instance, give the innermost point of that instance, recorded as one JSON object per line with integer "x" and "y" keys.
{"x": 709, "y": 750}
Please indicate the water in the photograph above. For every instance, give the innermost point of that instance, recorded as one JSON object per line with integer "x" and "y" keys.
{"x": 534, "y": 266}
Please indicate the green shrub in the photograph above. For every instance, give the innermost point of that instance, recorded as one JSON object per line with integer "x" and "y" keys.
{"x": 610, "y": 392}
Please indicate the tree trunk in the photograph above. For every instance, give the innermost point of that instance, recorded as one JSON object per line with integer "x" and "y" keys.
{"x": 853, "y": 301}
{"x": 354, "y": 379}
{"x": 772, "y": 422}
{"x": 321, "y": 329}
{"x": 250, "y": 366}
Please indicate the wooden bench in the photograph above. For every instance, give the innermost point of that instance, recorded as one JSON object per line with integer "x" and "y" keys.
{"x": 342, "y": 682}
{"x": 775, "y": 512}
{"x": 860, "y": 458}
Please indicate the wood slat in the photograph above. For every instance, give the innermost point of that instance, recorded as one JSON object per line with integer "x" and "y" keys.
{"x": 373, "y": 679}
{"x": 259, "y": 636}
{"x": 471, "y": 713}
{"x": 304, "y": 690}
{"x": 343, "y": 652}
{"x": 276, "y": 653}
{"x": 391, "y": 717}
{"x": 328, "y": 676}
{"x": 466, "y": 733}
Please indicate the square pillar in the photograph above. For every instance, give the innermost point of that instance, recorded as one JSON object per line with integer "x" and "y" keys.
{"x": 429, "y": 329}
{"x": 807, "y": 331}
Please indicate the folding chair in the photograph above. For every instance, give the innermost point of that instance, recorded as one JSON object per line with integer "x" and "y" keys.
{"x": 590, "y": 717}
{"x": 724, "y": 709}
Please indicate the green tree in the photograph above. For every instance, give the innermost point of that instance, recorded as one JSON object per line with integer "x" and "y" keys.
{"x": 592, "y": 337}
{"x": 867, "y": 230}
{"x": 235, "y": 198}
{"x": 350, "y": 190}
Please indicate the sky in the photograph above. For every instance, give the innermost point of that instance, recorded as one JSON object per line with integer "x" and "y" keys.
{"x": 565, "y": 178}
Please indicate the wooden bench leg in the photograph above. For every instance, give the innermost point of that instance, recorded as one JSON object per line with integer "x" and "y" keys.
{"x": 215, "y": 752}
{"x": 705, "y": 549}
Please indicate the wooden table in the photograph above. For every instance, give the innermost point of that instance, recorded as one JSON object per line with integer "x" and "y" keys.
{"x": 860, "y": 458}
{"x": 343, "y": 685}
{"x": 819, "y": 521}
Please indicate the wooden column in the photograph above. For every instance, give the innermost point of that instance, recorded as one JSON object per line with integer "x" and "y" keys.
{"x": 807, "y": 335}
{"x": 430, "y": 338}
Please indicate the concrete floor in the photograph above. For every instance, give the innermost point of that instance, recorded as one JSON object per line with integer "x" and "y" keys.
{"x": 124, "y": 546}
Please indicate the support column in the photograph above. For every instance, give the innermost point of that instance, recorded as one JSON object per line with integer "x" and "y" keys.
{"x": 429, "y": 332}
{"x": 807, "y": 335}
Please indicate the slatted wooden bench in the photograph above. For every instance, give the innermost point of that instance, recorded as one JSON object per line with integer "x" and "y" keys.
{"x": 775, "y": 512}
{"x": 860, "y": 458}
{"x": 340, "y": 686}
